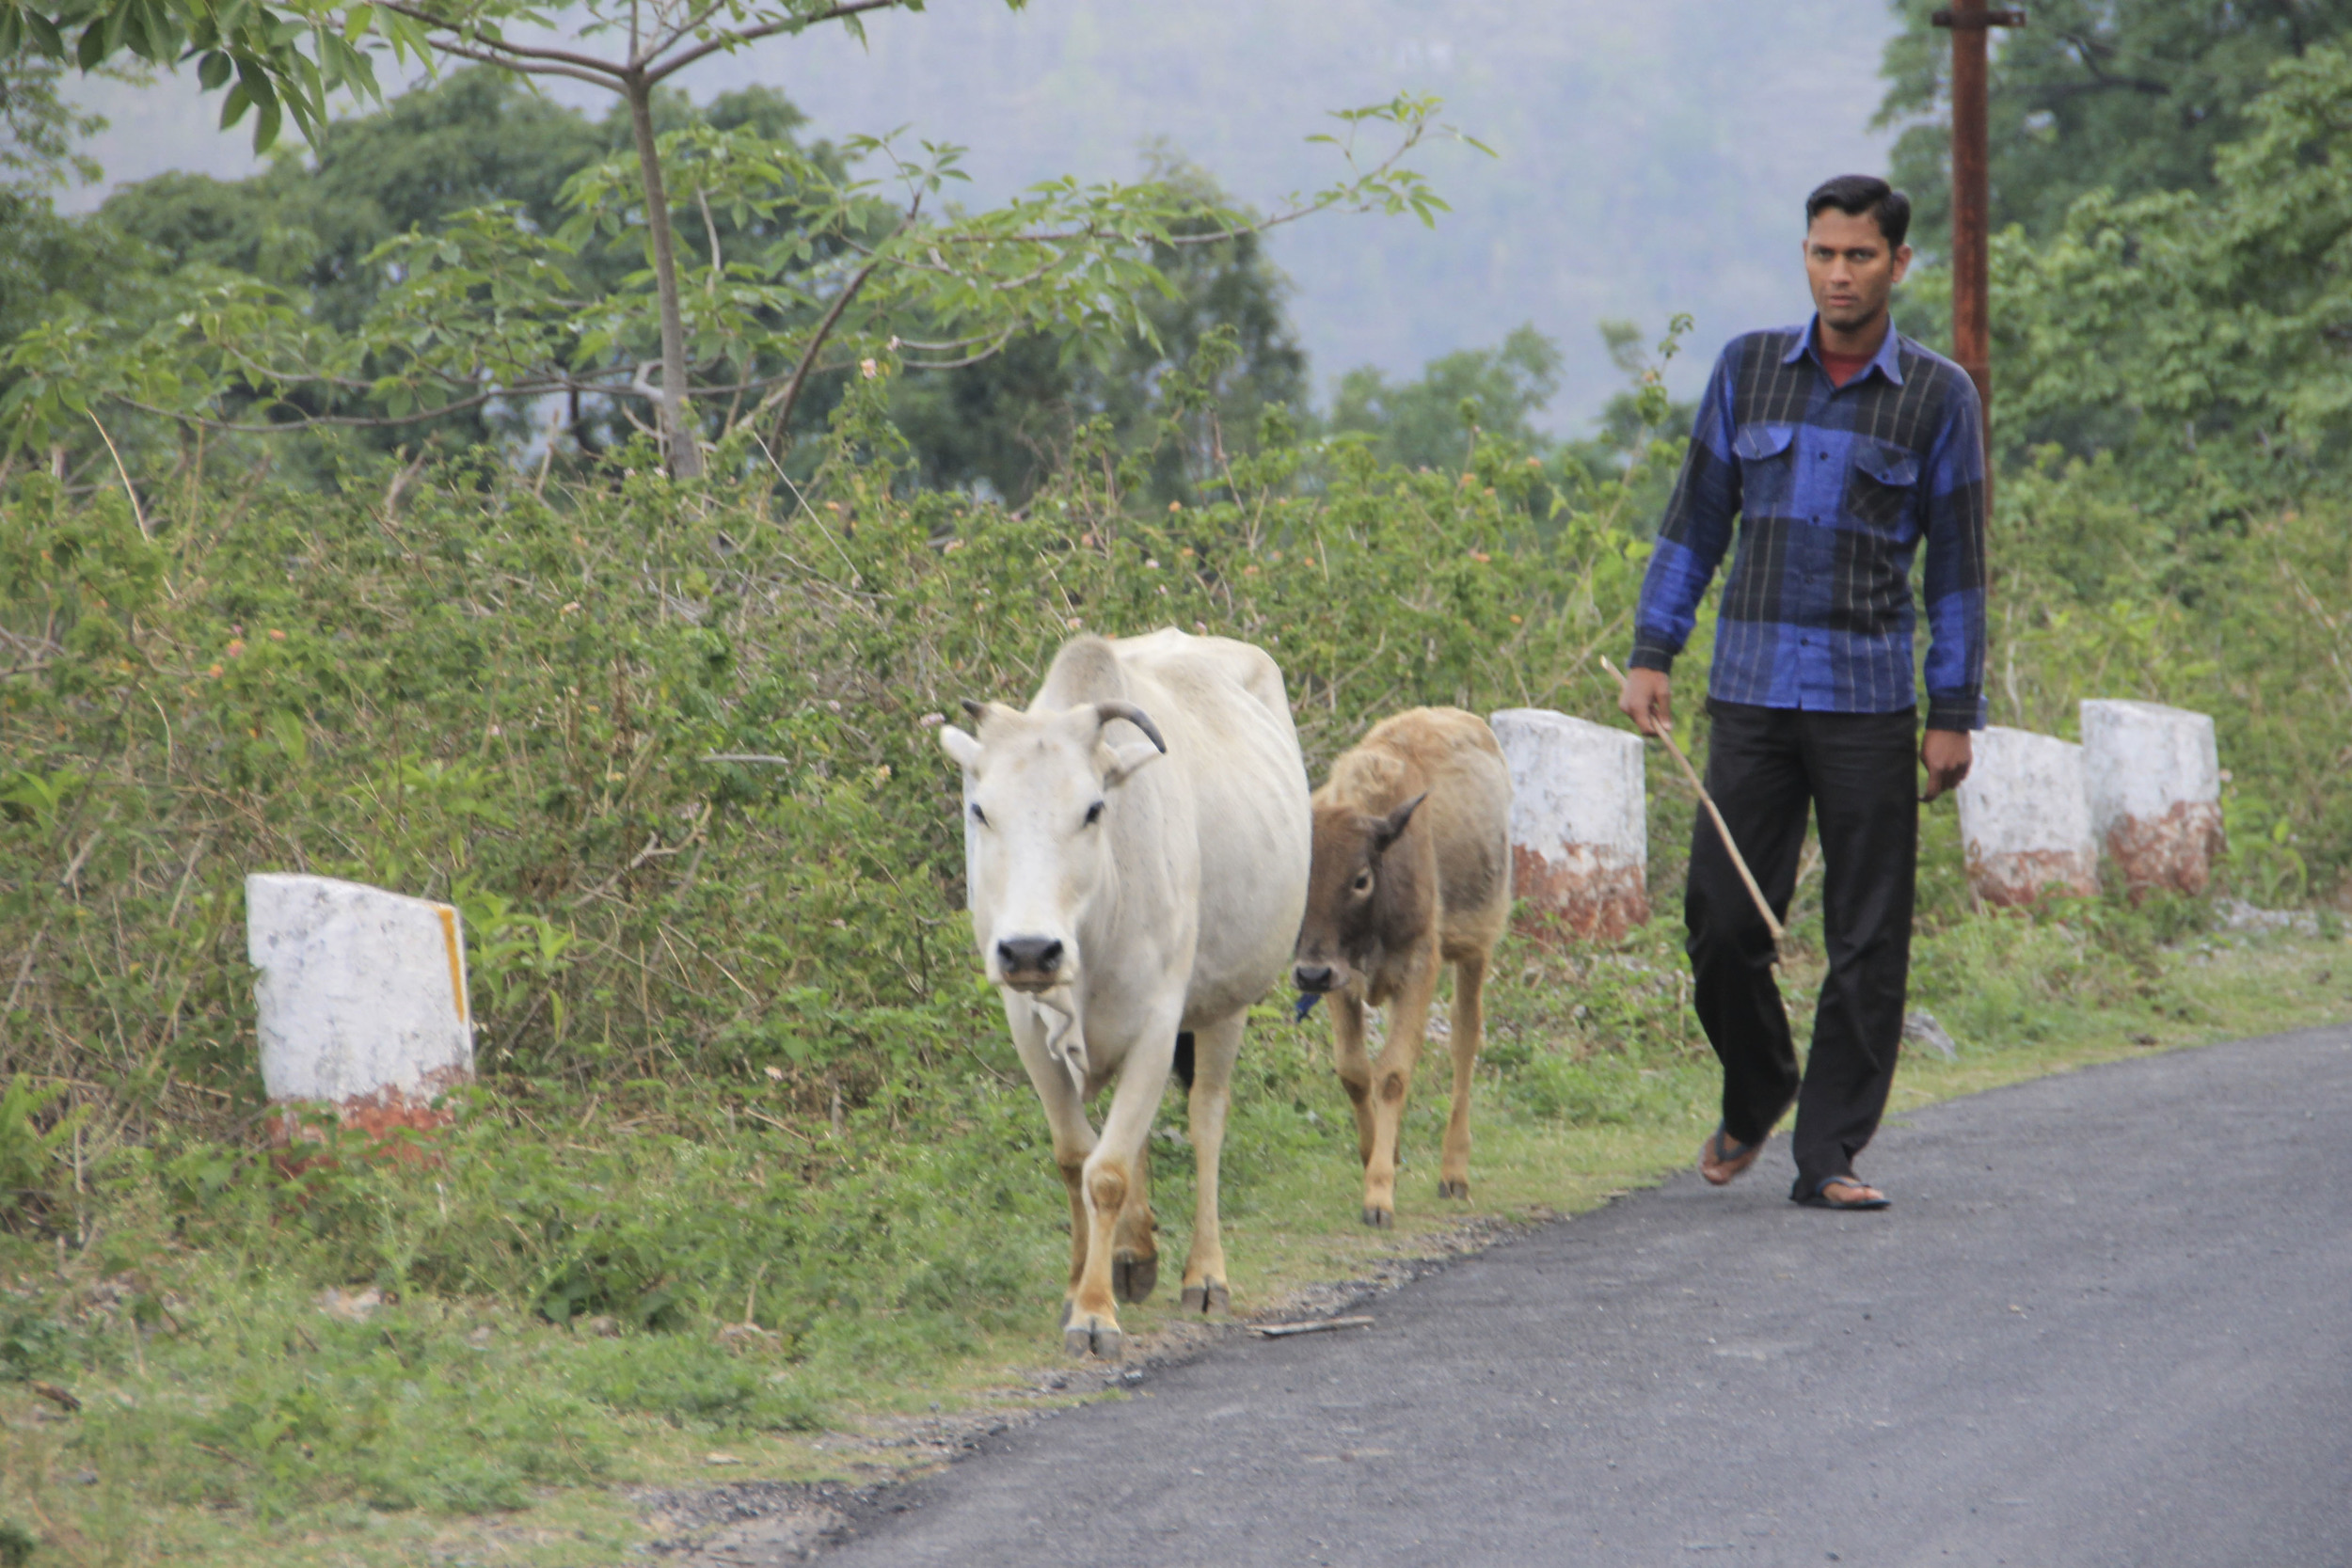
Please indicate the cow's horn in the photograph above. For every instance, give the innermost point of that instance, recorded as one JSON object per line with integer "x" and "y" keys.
{"x": 1105, "y": 712}
{"x": 975, "y": 708}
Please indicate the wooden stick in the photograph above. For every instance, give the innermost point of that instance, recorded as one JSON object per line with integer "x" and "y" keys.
{"x": 1738, "y": 861}
{"x": 1318, "y": 1326}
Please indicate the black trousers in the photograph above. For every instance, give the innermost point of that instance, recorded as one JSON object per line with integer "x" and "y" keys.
{"x": 1857, "y": 771}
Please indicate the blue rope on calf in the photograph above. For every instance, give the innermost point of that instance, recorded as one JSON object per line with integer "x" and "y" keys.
{"x": 1304, "y": 1005}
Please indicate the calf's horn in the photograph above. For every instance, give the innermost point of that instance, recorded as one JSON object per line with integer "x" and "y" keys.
{"x": 975, "y": 707}
{"x": 1105, "y": 712}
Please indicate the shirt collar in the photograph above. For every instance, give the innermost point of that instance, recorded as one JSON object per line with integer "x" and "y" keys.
{"x": 1887, "y": 361}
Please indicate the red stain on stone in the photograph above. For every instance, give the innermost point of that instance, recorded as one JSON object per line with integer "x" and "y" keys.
{"x": 381, "y": 1116}
{"x": 2026, "y": 876}
{"x": 1586, "y": 896}
{"x": 2173, "y": 851}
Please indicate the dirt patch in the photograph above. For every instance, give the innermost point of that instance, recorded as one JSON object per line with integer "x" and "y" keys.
{"x": 751, "y": 1524}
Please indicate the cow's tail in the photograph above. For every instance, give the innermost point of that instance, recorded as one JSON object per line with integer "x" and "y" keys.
{"x": 1184, "y": 1060}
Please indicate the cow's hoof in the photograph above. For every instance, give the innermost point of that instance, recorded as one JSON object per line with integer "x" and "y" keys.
{"x": 1100, "y": 1341}
{"x": 1133, "y": 1277}
{"x": 1453, "y": 1189}
{"x": 1206, "y": 1298}
{"x": 1380, "y": 1219}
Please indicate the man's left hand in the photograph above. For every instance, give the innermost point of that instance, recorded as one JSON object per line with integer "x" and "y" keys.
{"x": 1946, "y": 754}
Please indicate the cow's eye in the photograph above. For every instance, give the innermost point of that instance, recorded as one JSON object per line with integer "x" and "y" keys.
{"x": 1362, "y": 883}
{"x": 1094, "y": 814}
{"x": 979, "y": 815}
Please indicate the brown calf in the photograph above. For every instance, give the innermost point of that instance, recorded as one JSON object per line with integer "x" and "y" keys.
{"x": 1412, "y": 870}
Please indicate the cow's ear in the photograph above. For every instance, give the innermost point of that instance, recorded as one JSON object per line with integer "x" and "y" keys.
{"x": 1391, "y": 827}
{"x": 962, "y": 747}
{"x": 1119, "y": 763}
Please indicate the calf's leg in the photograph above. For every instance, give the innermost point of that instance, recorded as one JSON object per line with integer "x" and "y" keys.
{"x": 1355, "y": 1068}
{"x": 1216, "y": 1048}
{"x": 1392, "y": 1081}
{"x": 1470, "y": 1023}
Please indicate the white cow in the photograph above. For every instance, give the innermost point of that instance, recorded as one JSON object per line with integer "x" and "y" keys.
{"x": 1119, "y": 903}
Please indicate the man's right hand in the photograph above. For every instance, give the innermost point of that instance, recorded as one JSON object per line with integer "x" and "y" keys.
{"x": 1646, "y": 700}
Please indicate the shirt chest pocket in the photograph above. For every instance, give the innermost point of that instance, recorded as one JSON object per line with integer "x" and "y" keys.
{"x": 1767, "y": 465}
{"x": 1882, "y": 486}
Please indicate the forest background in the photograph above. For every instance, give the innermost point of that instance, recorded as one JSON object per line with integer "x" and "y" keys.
{"x": 337, "y": 534}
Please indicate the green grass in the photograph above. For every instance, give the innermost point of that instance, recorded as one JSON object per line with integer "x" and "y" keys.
{"x": 564, "y": 1282}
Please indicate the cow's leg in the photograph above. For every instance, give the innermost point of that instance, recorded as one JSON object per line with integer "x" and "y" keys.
{"x": 1355, "y": 1068}
{"x": 1066, "y": 1116}
{"x": 1470, "y": 1023}
{"x": 1110, "y": 1176}
{"x": 1215, "y": 1047}
{"x": 1134, "y": 1244}
{"x": 1392, "y": 1081}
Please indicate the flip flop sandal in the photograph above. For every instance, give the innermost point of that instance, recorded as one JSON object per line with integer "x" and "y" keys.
{"x": 1818, "y": 1197}
{"x": 1724, "y": 1149}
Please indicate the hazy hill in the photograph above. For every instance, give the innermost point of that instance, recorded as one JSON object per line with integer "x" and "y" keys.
{"x": 1654, "y": 154}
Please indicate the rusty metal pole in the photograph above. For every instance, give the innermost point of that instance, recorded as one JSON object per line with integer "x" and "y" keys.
{"x": 1970, "y": 22}
{"x": 1971, "y": 343}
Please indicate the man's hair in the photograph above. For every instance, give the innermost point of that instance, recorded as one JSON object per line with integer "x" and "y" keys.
{"x": 1861, "y": 194}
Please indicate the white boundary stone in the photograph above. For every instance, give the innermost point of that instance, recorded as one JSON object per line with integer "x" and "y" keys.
{"x": 2154, "y": 778}
{"x": 1579, "y": 833}
{"x": 2025, "y": 818}
{"x": 361, "y": 1001}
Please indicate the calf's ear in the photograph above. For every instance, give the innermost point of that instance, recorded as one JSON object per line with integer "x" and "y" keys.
{"x": 1391, "y": 827}
{"x": 960, "y": 746}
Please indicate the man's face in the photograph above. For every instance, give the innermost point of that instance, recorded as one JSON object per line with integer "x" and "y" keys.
{"x": 1852, "y": 268}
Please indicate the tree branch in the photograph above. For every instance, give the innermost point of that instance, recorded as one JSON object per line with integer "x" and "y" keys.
{"x": 786, "y": 400}
{"x": 507, "y": 55}
{"x": 752, "y": 34}
{"x": 989, "y": 353}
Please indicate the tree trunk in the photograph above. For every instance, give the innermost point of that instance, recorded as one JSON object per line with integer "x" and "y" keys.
{"x": 677, "y": 421}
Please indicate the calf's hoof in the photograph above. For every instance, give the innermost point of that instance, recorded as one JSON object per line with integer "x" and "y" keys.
{"x": 1133, "y": 1277}
{"x": 1099, "y": 1339}
{"x": 1453, "y": 1189}
{"x": 1379, "y": 1218}
{"x": 1207, "y": 1297}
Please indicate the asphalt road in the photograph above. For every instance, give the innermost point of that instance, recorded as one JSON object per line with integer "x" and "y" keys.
{"x": 2109, "y": 1320}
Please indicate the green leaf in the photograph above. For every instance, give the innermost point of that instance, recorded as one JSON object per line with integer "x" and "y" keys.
{"x": 212, "y": 72}
{"x": 45, "y": 34}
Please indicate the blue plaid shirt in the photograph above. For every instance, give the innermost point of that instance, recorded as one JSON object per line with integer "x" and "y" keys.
{"x": 1834, "y": 487}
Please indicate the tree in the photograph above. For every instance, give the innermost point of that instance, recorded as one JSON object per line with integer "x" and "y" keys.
{"x": 1063, "y": 253}
{"x": 475, "y": 138}
{"x": 478, "y": 137}
{"x": 846, "y": 259}
{"x": 1428, "y": 423}
{"x": 47, "y": 261}
{"x": 2210, "y": 332}
{"x": 1003, "y": 424}
{"x": 253, "y": 48}
{"x": 2130, "y": 96}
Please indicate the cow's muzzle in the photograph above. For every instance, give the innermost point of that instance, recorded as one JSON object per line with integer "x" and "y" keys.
{"x": 1030, "y": 963}
{"x": 1314, "y": 979}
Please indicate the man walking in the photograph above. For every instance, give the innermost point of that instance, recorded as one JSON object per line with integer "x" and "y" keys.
{"x": 1843, "y": 448}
